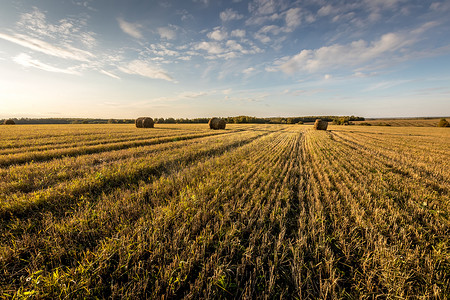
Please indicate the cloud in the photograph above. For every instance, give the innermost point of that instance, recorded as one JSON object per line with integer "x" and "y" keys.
{"x": 38, "y": 45}
{"x": 218, "y": 34}
{"x": 263, "y": 7}
{"x": 248, "y": 71}
{"x": 293, "y": 18}
{"x": 425, "y": 27}
{"x": 192, "y": 95}
{"x": 225, "y": 49}
{"x": 185, "y": 15}
{"x": 26, "y": 61}
{"x": 166, "y": 33}
{"x": 142, "y": 68}
{"x": 67, "y": 30}
{"x": 349, "y": 55}
{"x": 130, "y": 28}
{"x": 442, "y": 7}
{"x": 109, "y": 74}
{"x": 326, "y": 10}
{"x": 210, "y": 47}
{"x": 238, "y": 33}
{"x": 229, "y": 15}
{"x": 85, "y": 4}
{"x": 205, "y": 2}
{"x": 385, "y": 85}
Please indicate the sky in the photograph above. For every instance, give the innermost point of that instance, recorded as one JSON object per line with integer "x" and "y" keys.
{"x": 202, "y": 58}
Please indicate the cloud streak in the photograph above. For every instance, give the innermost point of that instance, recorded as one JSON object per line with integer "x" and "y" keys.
{"x": 131, "y": 29}
{"x": 41, "y": 46}
{"x": 142, "y": 68}
{"x": 109, "y": 74}
{"x": 27, "y": 61}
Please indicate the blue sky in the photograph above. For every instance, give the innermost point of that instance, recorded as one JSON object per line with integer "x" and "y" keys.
{"x": 199, "y": 58}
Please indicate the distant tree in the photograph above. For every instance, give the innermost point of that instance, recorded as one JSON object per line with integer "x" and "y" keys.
{"x": 112, "y": 121}
{"x": 443, "y": 123}
{"x": 9, "y": 122}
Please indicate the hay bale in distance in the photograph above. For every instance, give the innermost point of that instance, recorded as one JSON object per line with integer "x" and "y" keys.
{"x": 144, "y": 122}
{"x": 138, "y": 122}
{"x": 148, "y": 123}
{"x": 9, "y": 122}
{"x": 320, "y": 125}
{"x": 217, "y": 123}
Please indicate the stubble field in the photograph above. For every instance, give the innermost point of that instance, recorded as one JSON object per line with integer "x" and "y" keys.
{"x": 253, "y": 211}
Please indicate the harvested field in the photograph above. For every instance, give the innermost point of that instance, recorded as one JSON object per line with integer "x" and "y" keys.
{"x": 417, "y": 122}
{"x": 255, "y": 211}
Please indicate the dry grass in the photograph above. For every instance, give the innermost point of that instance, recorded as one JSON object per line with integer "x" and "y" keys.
{"x": 401, "y": 122}
{"x": 257, "y": 211}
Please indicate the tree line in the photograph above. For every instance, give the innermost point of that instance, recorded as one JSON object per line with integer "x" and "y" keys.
{"x": 236, "y": 120}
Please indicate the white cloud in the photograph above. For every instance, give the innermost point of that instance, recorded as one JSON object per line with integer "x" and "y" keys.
{"x": 185, "y": 15}
{"x": 350, "y": 55}
{"x": 263, "y": 7}
{"x": 262, "y": 38}
{"x": 210, "y": 47}
{"x": 235, "y": 46}
{"x": 38, "y": 45}
{"x": 109, "y": 74}
{"x": 130, "y": 28}
{"x": 218, "y": 34}
{"x": 88, "y": 40}
{"x": 35, "y": 23}
{"x": 142, "y": 68}
{"x": 260, "y": 20}
{"x": 238, "y": 33}
{"x": 293, "y": 18}
{"x": 425, "y": 27}
{"x": 229, "y": 15}
{"x": 262, "y": 34}
{"x": 248, "y": 71}
{"x": 64, "y": 31}
{"x": 385, "y": 85}
{"x": 442, "y": 7}
{"x": 26, "y": 61}
{"x": 383, "y": 4}
{"x": 166, "y": 33}
{"x": 192, "y": 95}
{"x": 325, "y": 10}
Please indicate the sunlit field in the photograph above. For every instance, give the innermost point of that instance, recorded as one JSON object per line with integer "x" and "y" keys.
{"x": 415, "y": 122}
{"x": 253, "y": 211}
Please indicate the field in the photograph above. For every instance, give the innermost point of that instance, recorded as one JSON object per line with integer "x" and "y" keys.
{"x": 415, "y": 122}
{"x": 253, "y": 211}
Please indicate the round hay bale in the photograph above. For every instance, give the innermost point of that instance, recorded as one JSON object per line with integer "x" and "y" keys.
{"x": 148, "y": 123}
{"x": 9, "y": 122}
{"x": 217, "y": 123}
{"x": 320, "y": 125}
{"x": 138, "y": 122}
